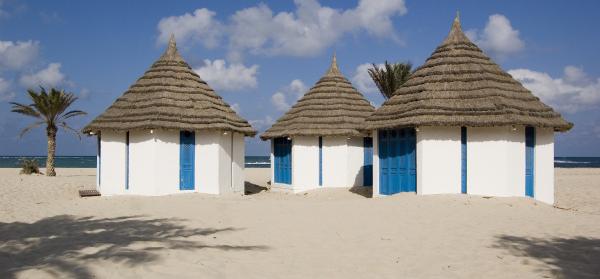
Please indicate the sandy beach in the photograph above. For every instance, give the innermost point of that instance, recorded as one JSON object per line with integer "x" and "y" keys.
{"x": 47, "y": 231}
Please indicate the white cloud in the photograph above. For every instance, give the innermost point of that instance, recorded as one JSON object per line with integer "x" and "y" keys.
{"x": 201, "y": 26}
{"x": 230, "y": 77}
{"x": 306, "y": 31}
{"x": 51, "y": 76}
{"x": 498, "y": 37}
{"x": 283, "y": 99}
{"x": 363, "y": 81}
{"x": 279, "y": 101}
{"x": 5, "y": 93}
{"x": 309, "y": 29}
{"x": 570, "y": 93}
{"x": 262, "y": 124}
{"x": 17, "y": 55}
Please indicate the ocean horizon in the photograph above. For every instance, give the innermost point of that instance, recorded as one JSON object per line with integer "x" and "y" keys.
{"x": 12, "y": 161}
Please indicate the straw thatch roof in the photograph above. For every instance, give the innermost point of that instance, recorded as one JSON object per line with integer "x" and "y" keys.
{"x": 460, "y": 86}
{"x": 170, "y": 95}
{"x": 333, "y": 107}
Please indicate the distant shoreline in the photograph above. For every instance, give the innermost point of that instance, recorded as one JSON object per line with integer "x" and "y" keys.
{"x": 74, "y": 161}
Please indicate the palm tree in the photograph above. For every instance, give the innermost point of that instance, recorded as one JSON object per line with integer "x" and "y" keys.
{"x": 390, "y": 77}
{"x": 49, "y": 109}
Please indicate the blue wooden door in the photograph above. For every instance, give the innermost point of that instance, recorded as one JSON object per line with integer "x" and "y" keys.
{"x": 187, "y": 142}
{"x": 283, "y": 160}
{"x": 368, "y": 162}
{"x": 529, "y": 160}
{"x": 397, "y": 157}
{"x": 463, "y": 161}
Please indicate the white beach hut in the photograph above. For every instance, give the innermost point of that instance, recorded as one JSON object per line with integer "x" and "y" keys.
{"x": 460, "y": 124}
{"x": 170, "y": 133}
{"x": 317, "y": 142}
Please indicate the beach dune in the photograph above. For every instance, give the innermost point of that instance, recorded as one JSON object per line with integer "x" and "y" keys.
{"x": 47, "y": 231}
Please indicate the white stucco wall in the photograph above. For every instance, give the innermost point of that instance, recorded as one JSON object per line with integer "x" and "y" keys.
{"x": 225, "y": 163}
{"x": 154, "y": 163}
{"x": 438, "y": 160}
{"x": 544, "y": 166}
{"x": 142, "y": 162}
{"x": 112, "y": 181}
{"x": 376, "y": 164}
{"x": 166, "y": 162}
{"x": 238, "y": 163}
{"x": 355, "y": 161}
{"x": 335, "y": 165}
{"x": 207, "y": 162}
{"x": 305, "y": 163}
{"x": 496, "y": 161}
{"x": 342, "y": 163}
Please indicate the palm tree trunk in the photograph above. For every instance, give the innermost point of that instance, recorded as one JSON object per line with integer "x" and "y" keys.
{"x": 51, "y": 133}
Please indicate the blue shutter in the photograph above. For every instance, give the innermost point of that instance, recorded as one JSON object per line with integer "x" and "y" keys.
{"x": 384, "y": 179}
{"x": 411, "y": 154}
{"x": 463, "y": 161}
{"x": 320, "y": 161}
{"x": 368, "y": 162}
{"x": 529, "y": 160}
{"x": 397, "y": 157}
{"x": 187, "y": 143}
{"x": 127, "y": 161}
{"x": 99, "y": 159}
{"x": 283, "y": 160}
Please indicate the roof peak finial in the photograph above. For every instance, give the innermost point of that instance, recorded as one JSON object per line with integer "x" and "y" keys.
{"x": 333, "y": 69}
{"x": 172, "y": 43}
{"x": 456, "y": 24}
{"x": 171, "y": 53}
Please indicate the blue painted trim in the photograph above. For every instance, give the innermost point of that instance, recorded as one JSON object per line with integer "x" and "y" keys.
{"x": 187, "y": 160}
{"x": 320, "y": 161}
{"x": 127, "y": 161}
{"x": 529, "y": 161}
{"x": 99, "y": 159}
{"x": 463, "y": 161}
{"x": 368, "y": 161}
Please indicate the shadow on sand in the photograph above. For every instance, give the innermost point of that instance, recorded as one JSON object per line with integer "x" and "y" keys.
{"x": 62, "y": 245}
{"x": 251, "y": 188}
{"x": 577, "y": 257}
{"x": 366, "y": 192}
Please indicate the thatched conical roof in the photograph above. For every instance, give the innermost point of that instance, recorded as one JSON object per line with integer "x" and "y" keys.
{"x": 460, "y": 86}
{"x": 170, "y": 95}
{"x": 332, "y": 107}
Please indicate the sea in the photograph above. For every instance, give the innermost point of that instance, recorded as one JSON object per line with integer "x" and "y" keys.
{"x": 90, "y": 161}
{"x": 251, "y": 161}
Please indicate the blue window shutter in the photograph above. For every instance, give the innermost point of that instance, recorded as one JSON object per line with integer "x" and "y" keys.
{"x": 320, "y": 161}
{"x": 127, "y": 161}
{"x": 368, "y": 161}
{"x": 529, "y": 161}
{"x": 187, "y": 143}
{"x": 283, "y": 160}
{"x": 463, "y": 163}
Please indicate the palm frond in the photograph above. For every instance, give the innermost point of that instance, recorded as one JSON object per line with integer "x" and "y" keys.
{"x": 72, "y": 113}
{"x": 390, "y": 77}
{"x": 68, "y": 128}
{"x": 25, "y": 110}
{"x": 28, "y": 128}
{"x": 49, "y": 106}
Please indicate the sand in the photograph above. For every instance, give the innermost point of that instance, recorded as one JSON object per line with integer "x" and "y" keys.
{"x": 47, "y": 231}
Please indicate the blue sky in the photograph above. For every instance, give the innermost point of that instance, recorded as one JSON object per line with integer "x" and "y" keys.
{"x": 262, "y": 56}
